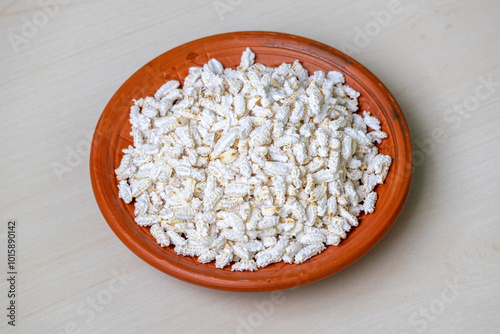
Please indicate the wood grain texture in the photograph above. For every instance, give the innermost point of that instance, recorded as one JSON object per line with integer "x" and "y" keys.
{"x": 432, "y": 55}
{"x": 112, "y": 135}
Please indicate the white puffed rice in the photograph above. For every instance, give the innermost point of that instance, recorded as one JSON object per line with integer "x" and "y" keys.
{"x": 252, "y": 166}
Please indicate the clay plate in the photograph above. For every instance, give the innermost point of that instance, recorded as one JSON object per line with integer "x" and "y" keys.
{"x": 272, "y": 49}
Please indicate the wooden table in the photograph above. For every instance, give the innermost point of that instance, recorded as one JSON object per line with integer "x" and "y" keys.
{"x": 436, "y": 271}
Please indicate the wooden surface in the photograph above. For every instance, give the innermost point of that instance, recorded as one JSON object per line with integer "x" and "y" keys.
{"x": 436, "y": 271}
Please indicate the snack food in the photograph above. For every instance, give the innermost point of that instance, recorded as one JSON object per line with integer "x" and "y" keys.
{"x": 254, "y": 165}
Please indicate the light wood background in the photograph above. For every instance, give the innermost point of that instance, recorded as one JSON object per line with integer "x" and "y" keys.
{"x": 436, "y": 271}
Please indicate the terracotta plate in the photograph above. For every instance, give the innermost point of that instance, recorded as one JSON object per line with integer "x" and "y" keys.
{"x": 272, "y": 49}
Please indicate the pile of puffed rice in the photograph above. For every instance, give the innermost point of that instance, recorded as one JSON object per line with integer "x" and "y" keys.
{"x": 252, "y": 166}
